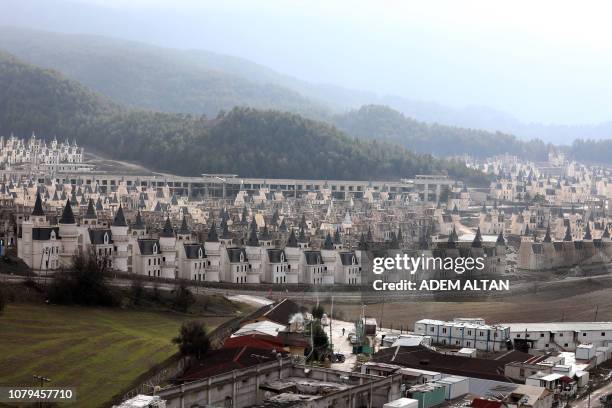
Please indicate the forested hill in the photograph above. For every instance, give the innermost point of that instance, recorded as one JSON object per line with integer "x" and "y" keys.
{"x": 144, "y": 76}
{"x": 245, "y": 141}
{"x": 384, "y": 123}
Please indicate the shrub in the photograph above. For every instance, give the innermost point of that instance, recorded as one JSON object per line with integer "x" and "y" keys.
{"x": 83, "y": 283}
{"x": 193, "y": 339}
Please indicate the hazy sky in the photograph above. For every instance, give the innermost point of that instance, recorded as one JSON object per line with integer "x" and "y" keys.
{"x": 543, "y": 61}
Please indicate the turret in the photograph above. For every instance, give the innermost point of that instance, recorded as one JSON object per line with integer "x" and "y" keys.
{"x": 69, "y": 233}
{"x": 184, "y": 233}
{"x": 167, "y": 241}
{"x": 119, "y": 229}
{"x": 38, "y": 216}
{"x": 90, "y": 217}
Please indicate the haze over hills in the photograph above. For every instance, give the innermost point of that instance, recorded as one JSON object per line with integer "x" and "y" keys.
{"x": 199, "y": 81}
{"x": 384, "y": 123}
{"x": 149, "y": 77}
{"x": 245, "y": 141}
{"x": 227, "y": 31}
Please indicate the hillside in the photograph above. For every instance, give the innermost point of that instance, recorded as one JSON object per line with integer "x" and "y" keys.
{"x": 149, "y": 77}
{"x": 384, "y": 123}
{"x": 245, "y": 141}
{"x": 197, "y": 81}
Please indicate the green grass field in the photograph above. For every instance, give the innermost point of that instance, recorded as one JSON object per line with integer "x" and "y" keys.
{"x": 97, "y": 351}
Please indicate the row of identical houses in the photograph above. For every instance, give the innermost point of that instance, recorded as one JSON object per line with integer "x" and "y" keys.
{"x": 176, "y": 254}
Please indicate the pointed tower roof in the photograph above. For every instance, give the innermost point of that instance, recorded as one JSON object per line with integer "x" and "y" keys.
{"x": 547, "y": 237}
{"x": 265, "y": 234}
{"x": 225, "y": 234}
{"x": 363, "y": 245}
{"x": 451, "y": 238}
{"x": 500, "y": 239}
{"x": 329, "y": 244}
{"x": 67, "y": 214}
{"x": 253, "y": 239}
{"x": 292, "y": 241}
{"x": 568, "y": 234}
{"x": 38, "y": 208}
{"x": 337, "y": 237}
{"x": 275, "y": 217}
{"x": 119, "y": 220}
{"x": 369, "y": 236}
{"x": 477, "y": 242}
{"x": 91, "y": 211}
{"x": 184, "y": 229}
{"x": 283, "y": 226}
{"x": 168, "y": 231}
{"x": 212, "y": 233}
{"x": 302, "y": 236}
{"x": 587, "y": 233}
{"x": 139, "y": 224}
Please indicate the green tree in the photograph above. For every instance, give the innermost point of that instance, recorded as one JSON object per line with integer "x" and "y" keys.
{"x": 193, "y": 339}
{"x": 183, "y": 298}
{"x": 320, "y": 341}
{"x": 317, "y": 311}
{"x": 83, "y": 283}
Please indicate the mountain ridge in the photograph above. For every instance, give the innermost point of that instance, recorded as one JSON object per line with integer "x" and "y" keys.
{"x": 244, "y": 141}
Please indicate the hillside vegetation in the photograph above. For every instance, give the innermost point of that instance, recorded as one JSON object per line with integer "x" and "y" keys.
{"x": 245, "y": 141}
{"x": 384, "y": 123}
{"x": 149, "y": 77}
{"x": 202, "y": 82}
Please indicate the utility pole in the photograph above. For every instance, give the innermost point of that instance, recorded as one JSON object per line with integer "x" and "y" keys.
{"x": 382, "y": 313}
{"x": 42, "y": 383}
{"x": 331, "y": 333}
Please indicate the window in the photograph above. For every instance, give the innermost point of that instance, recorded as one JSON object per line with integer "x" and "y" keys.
{"x": 541, "y": 334}
{"x": 603, "y": 334}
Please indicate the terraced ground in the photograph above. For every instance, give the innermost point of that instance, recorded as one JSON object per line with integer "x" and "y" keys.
{"x": 97, "y": 351}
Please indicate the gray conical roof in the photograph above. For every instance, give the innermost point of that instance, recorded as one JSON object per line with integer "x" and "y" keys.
{"x": 292, "y": 241}
{"x": 212, "y": 233}
{"x": 119, "y": 220}
{"x": 329, "y": 244}
{"x": 139, "y": 224}
{"x": 184, "y": 229}
{"x": 91, "y": 211}
{"x": 67, "y": 214}
{"x": 477, "y": 242}
{"x": 168, "y": 231}
{"x": 568, "y": 234}
{"x": 253, "y": 239}
{"x": 38, "y": 208}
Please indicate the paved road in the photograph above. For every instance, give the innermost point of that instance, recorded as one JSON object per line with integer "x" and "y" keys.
{"x": 594, "y": 403}
{"x": 353, "y": 297}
